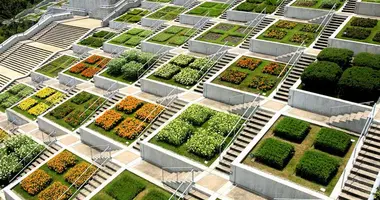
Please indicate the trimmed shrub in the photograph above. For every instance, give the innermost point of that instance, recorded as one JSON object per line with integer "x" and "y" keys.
{"x": 17, "y": 88}
{"x": 167, "y": 71}
{"x": 131, "y": 70}
{"x": 329, "y": 3}
{"x": 248, "y": 7}
{"x": 333, "y": 141}
{"x": 36, "y": 182}
{"x": 187, "y": 76}
{"x": 292, "y": 129}
{"x": 202, "y": 64}
{"x": 55, "y": 191}
{"x": 233, "y": 76}
{"x": 162, "y": 37}
{"x": 196, "y": 114}
{"x": 178, "y": 40}
{"x": 182, "y": 60}
{"x": 174, "y": 29}
{"x": 10, "y": 101}
{"x": 204, "y": 143}
{"x": 135, "y": 31}
{"x": 156, "y": 195}
{"x": 175, "y": 133}
{"x": 342, "y": 57}
{"x": 321, "y": 76}
{"x": 223, "y": 123}
{"x": 364, "y": 22}
{"x": 79, "y": 174}
{"x": 356, "y": 33}
{"x": 62, "y": 111}
{"x": 317, "y": 167}
{"x": 274, "y": 153}
{"x": 61, "y": 162}
{"x": 365, "y": 59}
{"x": 81, "y": 98}
{"x": 376, "y": 38}
{"x": 115, "y": 65}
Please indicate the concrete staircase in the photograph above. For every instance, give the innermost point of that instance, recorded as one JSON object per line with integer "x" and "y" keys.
{"x": 252, "y": 128}
{"x": 206, "y": 26}
{"x": 24, "y": 58}
{"x": 234, "y": 3}
{"x": 4, "y": 80}
{"x": 350, "y": 6}
{"x": 304, "y": 61}
{"x": 112, "y": 101}
{"x": 281, "y": 9}
{"x": 175, "y": 107}
{"x": 158, "y": 63}
{"x": 352, "y": 121}
{"x": 263, "y": 24}
{"x": 363, "y": 175}
{"x": 10, "y": 50}
{"x": 330, "y": 28}
{"x": 44, "y": 31}
{"x": 162, "y": 27}
{"x": 62, "y": 35}
{"x": 98, "y": 178}
{"x": 225, "y": 60}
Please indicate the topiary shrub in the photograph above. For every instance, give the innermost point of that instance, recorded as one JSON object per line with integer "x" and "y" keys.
{"x": 342, "y": 57}
{"x": 292, "y": 129}
{"x": 131, "y": 70}
{"x": 248, "y": 7}
{"x": 114, "y": 66}
{"x": 359, "y": 84}
{"x": 321, "y": 76}
{"x": 365, "y": 59}
{"x": 333, "y": 141}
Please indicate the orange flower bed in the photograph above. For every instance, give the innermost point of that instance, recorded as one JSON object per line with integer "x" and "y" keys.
{"x": 93, "y": 59}
{"x": 62, "y": 161}
{"x": 130, "y": 128}
{"x": 103, "y": 62}
{"x": 149, "y": 112}
{"x": 83, "y": 171}
{"x": 274, "y": 68}
{"x": 78, "y": 68}
{"x": 55, "y": 191}
{"x": 90, "y": 72}
{"x": 249, "y": 63}
{"x": 108, "y": 120}
{"x": 129, "y": 104}
{"x": 36, "y": 182}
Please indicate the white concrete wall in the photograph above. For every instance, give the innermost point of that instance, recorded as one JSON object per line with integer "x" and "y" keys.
{"x": 48, "y": 126}
{"x": 271, "y": 48}
{"x": 149, "y": 22}
{"x": 241, "y": 16}
{"x": 92, "y": 138}
{"x": 113, "y": 48}
{"x": 191, "y": 19}
{"x": 154, "y": 47}
{"x": 205, "y": 47}
{"x": 16, "y": 118}
{"x": 367, "y": 8}
{"x": 108, "y": 84}
{"x": 37, "y": 77}
{"x": 68, "y": 80}
{"x": 158, "y": 88}
{"x": 79, "y": 49}
{"x": 355, "y": 46}
{"x": 303, "y": 13}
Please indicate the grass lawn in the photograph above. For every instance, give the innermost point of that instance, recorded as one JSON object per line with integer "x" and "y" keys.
{"x": 300, "y": 148}
{"x": 133, "y": 15}
{"x": 132, "y": 37}
{"x": 210, "y": 9}
{"x": 222, "y": 33}
{"x": 372, "y": 1}
{"x": 317, "y": 4}
{"x": 116, "y": 78}
{"x": 375, "y": 30}
{"x": 244, "y": 85}
{"x": 167, "y": 13}
{"x": 97, "y": 39}
{"x": 173, "y": 36}
{"x": 86, "y": 69}
{"x": 292, "y": 34}
{"x": 54, "y": 67}
{"x": 130, "y": 186}
{"x": 257, "y": 6}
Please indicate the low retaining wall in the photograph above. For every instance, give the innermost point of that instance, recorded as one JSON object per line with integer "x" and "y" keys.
{"x": 154, "y": 47}
{"x": 16, "y": 118}
{"x": 48, "y": 126}
{"x": 303, "y": 13}
{"x": 150, "y": 4}
{"x": 121, "y": 9}
{"x": 118, "y": 25}
{"x": 92, "y": 138}
{"x": 107, "y": 83}
{"x": 357, "y": 47}
{"x": 37, "y": 77}
{"x": 241, "y": 16}
{"x": 205, "y": 47}
{"x": 191, "y": 19}
{"x": 182, "y": 2}
{"x": 113, "y": 48}
{"x": 271, "y": 48}
{"x": 158, "y": 88}
{"x": 367, "y": 8}
{"x": 68, "y": 80}
{"x": 79, "y": 49}
{"x": 151, "y": 22}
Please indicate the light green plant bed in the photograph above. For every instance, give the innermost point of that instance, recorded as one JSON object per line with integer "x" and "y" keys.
{"x": 54, "y": 67}
{"x": 223, "y": 33}
{"x": 167, "y": 13}
{"x": 132, "y": 37}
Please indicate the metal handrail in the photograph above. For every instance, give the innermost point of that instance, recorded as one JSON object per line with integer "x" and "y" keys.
{"x": 258, "y": 17}
{"x": 343, "y": 106}
{"x": 295, "y": 53}
{"x": 151, "y": 65}
{"x": 183, "y": 182}
{"x": 327, "y": 16}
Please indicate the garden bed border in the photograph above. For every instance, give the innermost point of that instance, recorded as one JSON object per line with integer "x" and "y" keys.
{"x": 206, "y": 47}
{"x": 105, "y": 83}
{"x": 159, "y": 88}
{"x": 16, "y": 117}
{"x": 192, "y": 19}
{"x": 111, "y": 48}
{"x": 149, "y": 22}
{"x": 155, "y": 47}
{"x": 150, "y": 4}
{"x": 66, "y": 79}
{"x": 367, "y": 8}
{"x": 79, "y": 49}
{"x": 38, "y": 77}
{"x": 93, "y": 138}
{"x": 304, "y": 13}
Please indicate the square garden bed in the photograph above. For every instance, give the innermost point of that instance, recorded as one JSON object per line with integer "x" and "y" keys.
{"x": 256, "y": 6}
{"x": 59, "y": 64}
{"x": 132, "y": 37}
{"x": 290, "y": 32}
{"x": 40, "y": 102}
{"x": 251, "y": 74}
{"x": 127, "y": 120}
{"x": 183, "y": 71}
{"x": 304, "y": 153}
{"x": 198, "y": 133}
{"x": 222, "y": 33}
{"x": 97, "y": 39}
{"x": 173, "y": 36}
{"x": 86, "y": 69}
{"x": 362, "y": 30}
{"x": 76, "y": 110}
{"x": 210, "y": 9}
{"x": 132, "y": 16}
{"x": 318, "y": 4}
{"x": 54, "y": 178}
{"x": 167, "y": 13}
{"x": 130, "y": 186}
{"x": 14, "y": 95}
{"x": 160, "y": 1}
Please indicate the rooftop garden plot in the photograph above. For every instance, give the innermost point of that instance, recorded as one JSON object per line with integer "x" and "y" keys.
{"x": 334, "y": 75}
{"x": 53, "y": 179}
{"x": 13, "y": 150}
{"x": 372, "y": 1}
{"x": 3, "y": 135}
{"x": 76, "y": 111}
{"x": 252, "y": 75}
{"x": 132, "y": 37}
{"x": 257, "y": 6}
{"x": 307, "y": 154}
{"x": 132, "y": 16}
{"x": 222, "y": 33}
{"x": 198, "y": 133}
{"x": 289, "y": 32}
{"x": 54, "y": 67}
{"x": 37, "y": 104}
{"x": 97, "y": 39}
{"x": 167, "y": 13}
{"x": 183, "y": 71}
{"x": 88, "y": 68}
{"x": 362, "y": 30}
{"x": 173, "y": 36}
{"x": 319, "y": 4}
{"x": 161, "y": 1}
{"x": 210, "y": 9}
{"x": 14, "y": 95}
{"x": 129, "y": 66}
{"x": 128, "y": 186}
{"x": 127, "y": 120}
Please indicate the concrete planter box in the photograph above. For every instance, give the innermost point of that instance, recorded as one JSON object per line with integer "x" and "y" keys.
{"x": 118, "y": 25}
{"x": 93, "y": 138}
{"x": 38, "y": 78}
{"x": 113, "y": 48}
{"x": 271, "y": 48}
{"x": 151, "y": 22}
{"x": 16, "y": 117}
{"x": 69, "y": 80}
{"x": 182, "y": 2}
{"x": 367, "y": 8}
{"x": 241, "y": 16}
{"x": 205, "y": 47}
{"x": 149, "y": 4}
{"x": 155, "y": 47}
{"x": 158, "y": 88}
{"x": 49, "y": 126}
{"x": 355, "y": 46}
{"x": 191, "y": 19}
{"x": 303, "y": 13}
{"x": 107, "y": 83}
{"x": 79, "y": 49}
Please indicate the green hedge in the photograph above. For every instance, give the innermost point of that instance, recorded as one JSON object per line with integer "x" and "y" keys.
{"x": 204, "y": 143}
{"x": 223, "y": 123}
{"x": 317, "y": 167}
{"x": 196, "y": 114}
{"x": 365, "y": 59}
{"x": 333, "y": 141}
{"x": 342, "y": 57}
{"x": 125, "y": 186}
{"x": 292, "y": 129}
{"x": 274, "y": 153}
{"x": 321, "y": 76}
{"x": 175, "y": 133}
{"x": 81, "y": 98}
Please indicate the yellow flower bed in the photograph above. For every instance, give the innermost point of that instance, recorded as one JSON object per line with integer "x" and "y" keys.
{"x": 38, "y": 109}
{"x": 55, "y": 98}
{"x": 27, "y": 103}
{"x": 45, "y": 92}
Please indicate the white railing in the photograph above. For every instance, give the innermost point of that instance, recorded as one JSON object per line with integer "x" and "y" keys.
{"x": 258, "y": 18}
{"x": 327, "y": 18}
{"x": 119, "y": 8}
{"x": 348, "y": 108}
{"x": 181, "y": 195}
{"x": 375, "y": 187}
{"x": 156, "y": 56}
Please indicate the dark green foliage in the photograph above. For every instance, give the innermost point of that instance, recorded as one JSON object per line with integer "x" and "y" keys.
{"x": 14, "y": 27}
{"x": 274, "y": 153}
{"x": 327, "y": 4}
{"x": 92, "y": 41}
{"x": 175, "y": 133}
{"x": 321, "y": 76}
{"x": 196, "y": 114}
{"x": 114, "y": 66}
{"x": 11, "y": 8}
{"x": 342, "y": 57}
{"x": 317, "y": 167}
{"x": 246, "y": 7}
{"x": 333, "y": 141}
{"x": 365, "y": 59}
{"x": 162, "y": 37}
{"x": 61, "y": 111}
{"x": 125, "y": 186}
{"x": 17, "y": 88}
{"x": 81, "y": 98}
{"x": 100, "y": 34}
{"x": 356, "y": 33}
{"x": 376, "y": 38}
{"x": 364, "y": 22}
{"x": 292, "y": 129}
{"x": 131, "y": 70}
{"x": 359, "y": 84}
{"x": 173, "y": 30}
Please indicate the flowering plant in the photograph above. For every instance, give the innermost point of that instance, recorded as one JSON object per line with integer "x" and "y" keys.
{"x": 233, "y": 76}
{"x": 36, "y": 182}
{"x": 175, "y": 133}
{"x": 286, "y": 24}
{"x": 130, "y": 128}
{"x": 27, "y": 103}
{"x": 275, "y": 33}
{"x": 38, "y": 109}
{"x": 148, "y": 112}
{"x": 274, "y": 68}
{"x": 45, "y": 92}
{"x": 223, "y": 123}
{"x": 90, "y": 72}
{"x": 78, "y": 68}
{"x": 108, "y": 120}
{"x": 300, "y": 37}
{"x": 129, "y": 104}
{"x": 62, "y": 161}
{"x": 103, "y": 62}
{"x": 204, "y": 143}
{"x": 93, "y": 59}
{"x": 55, "y": 191}
{"x": 262, "y": 83}
{"x": 79, "y": 174}
{"x": 249, "y": 63}
{"x": 55, "y": 98}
